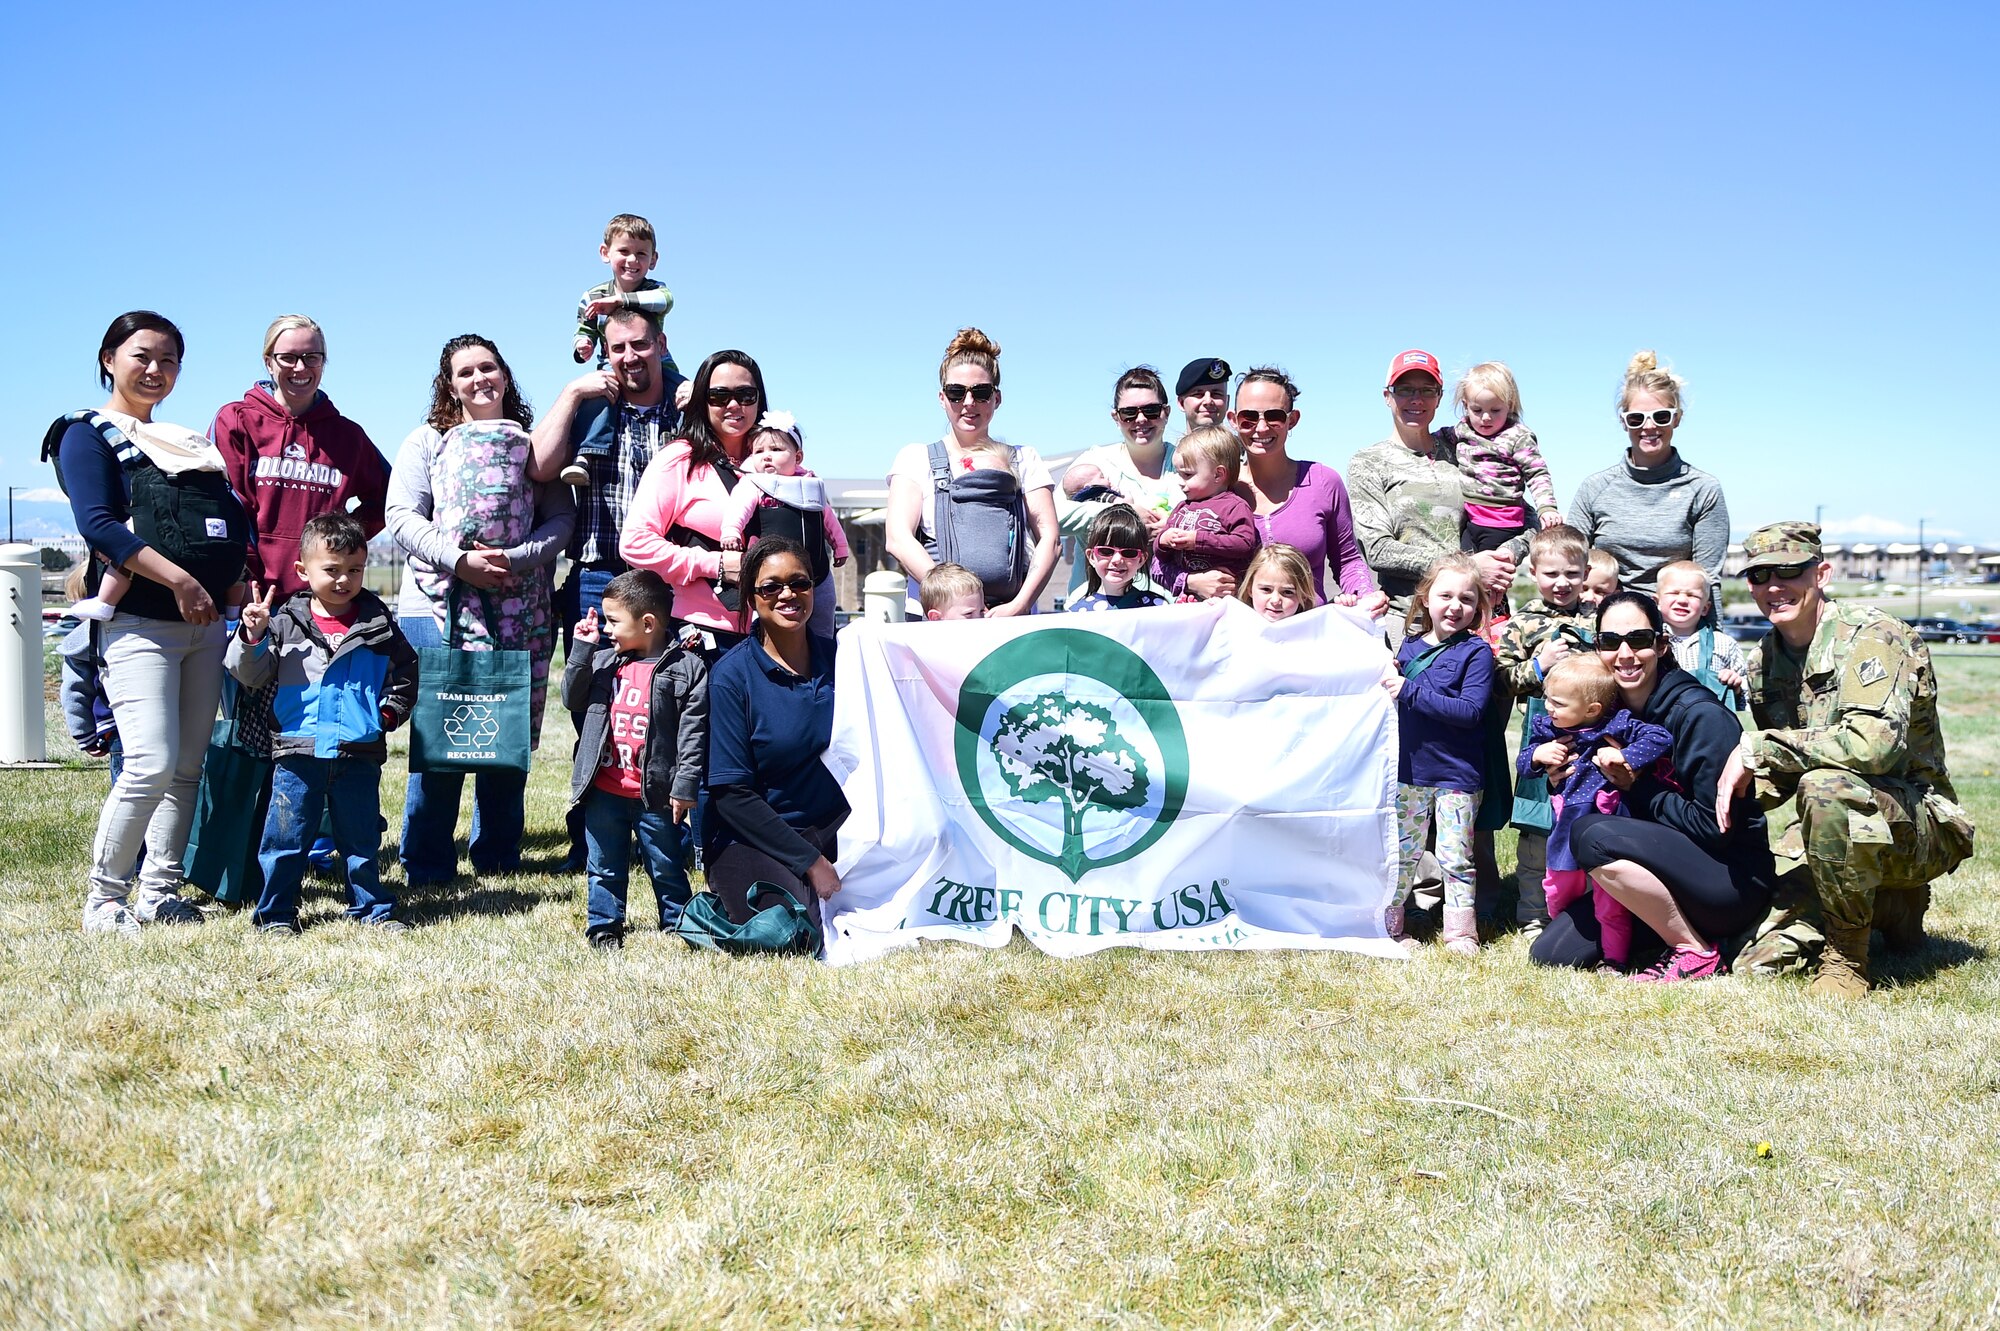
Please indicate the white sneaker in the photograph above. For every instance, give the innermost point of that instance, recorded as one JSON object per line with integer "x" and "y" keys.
{"x": 575, "y": 474}
{"x": 110, "y": 917}
{"x": 167, "y": 910}
{"x": 94, "y": 609}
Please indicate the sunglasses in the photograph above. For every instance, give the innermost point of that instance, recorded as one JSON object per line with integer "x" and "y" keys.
{"x": 1638, "y": 640}
{"x": 722, "y": 397}
{"x": 769, "y": 590}
{"x": 1661, "y": 417}
{"x": 1115, "y": 552}
{"x": 1151, "y": 412}
{"x": 1416, "y": 392}
{"x": 956, "y": 393}
{"x": 1757, "y": 577}
{"x": 1273, "y": 415}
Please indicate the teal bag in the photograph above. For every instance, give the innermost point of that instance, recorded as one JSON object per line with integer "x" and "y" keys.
{"x": 474, "y": 711}
{"x": 229, "y": 810}
{"x": 1534, "y": 807}
{"x": 783, "y": 927}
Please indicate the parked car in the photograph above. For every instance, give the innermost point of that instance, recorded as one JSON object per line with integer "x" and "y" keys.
{"x": 1936, "y": 628}
{"x": 1746, "y": 628}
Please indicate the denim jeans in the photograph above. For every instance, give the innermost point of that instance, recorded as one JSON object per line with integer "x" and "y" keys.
{"x": 609, "y": 823}
{"x": 163, "y": 679}
{"x": 350, "y": 790}
{"x": 430, "y": 806}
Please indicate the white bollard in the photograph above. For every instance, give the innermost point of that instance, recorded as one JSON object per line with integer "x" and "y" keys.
{"x": 882, "y": 594}
{"x": 23, "y": 720}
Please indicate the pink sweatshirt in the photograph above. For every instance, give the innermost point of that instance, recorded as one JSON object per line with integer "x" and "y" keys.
{"x": 745, "y": 498}
{"x": 671, "y": 494}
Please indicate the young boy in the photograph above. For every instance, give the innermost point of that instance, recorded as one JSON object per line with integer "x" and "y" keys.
{"x": 1716, "y": 659}
{"x": 641, "y": 743}
{"x": 632, "y": 251}
{"x": 346, "y": 676}
{"x": 1537, "y": 636}
{"x": 1602, "y": 579}
{"x": 1213, "y": 527}
{"x": 952, "y": 591}
{"x": 1582, "y": 720}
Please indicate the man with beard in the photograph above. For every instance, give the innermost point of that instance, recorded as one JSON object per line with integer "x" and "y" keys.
{"x": 630, "y": 404}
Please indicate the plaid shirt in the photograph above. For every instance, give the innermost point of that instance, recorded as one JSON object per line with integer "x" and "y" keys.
{"x": 601, "y": 509}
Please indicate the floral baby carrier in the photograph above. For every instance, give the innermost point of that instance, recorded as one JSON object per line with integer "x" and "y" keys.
{"x": 481, "y": 494}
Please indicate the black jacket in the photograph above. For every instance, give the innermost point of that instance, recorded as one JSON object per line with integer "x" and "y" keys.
{"x": 1705, "y": 733}
{"x": 676, "y": 721}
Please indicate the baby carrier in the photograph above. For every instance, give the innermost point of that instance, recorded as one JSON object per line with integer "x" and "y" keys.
{"x": 192, "y": 517}
{"x": 797, "y": 513}
{"x": 979, "y": 520}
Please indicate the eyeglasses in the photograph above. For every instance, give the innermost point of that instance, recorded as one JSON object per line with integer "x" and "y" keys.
{"x": 798, "y": 584}
{"x": 1417, "y": 392}
{"x": 722, "y": 397}
{"x": 955, "y": 393}
{"x": 1757, "y": 577}
{"x": 1152, "y": 411}
{"x": 1661, "y": 417}
{"x": 1273, "y": 415}
{"x": 292, "y": 360}
{"x": 1115, "y": 552}
{"x": 1638, "y": 640}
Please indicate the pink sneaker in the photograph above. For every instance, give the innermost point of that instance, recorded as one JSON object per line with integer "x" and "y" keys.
{"x": 1683, "y": 963}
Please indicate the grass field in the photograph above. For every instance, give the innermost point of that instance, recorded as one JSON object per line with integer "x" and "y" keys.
{"x": 483, "y": 1124}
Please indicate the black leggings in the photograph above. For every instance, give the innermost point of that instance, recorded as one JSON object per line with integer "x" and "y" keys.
{"x": 738, "y": 865}
{"x": 1718, "y": 899}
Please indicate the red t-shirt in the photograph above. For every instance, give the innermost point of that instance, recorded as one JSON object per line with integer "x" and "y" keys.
{"x": 336, "y": 628}
{"x": 622, "y": 769}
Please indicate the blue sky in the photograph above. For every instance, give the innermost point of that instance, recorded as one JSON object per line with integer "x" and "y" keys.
{"x": 1794, "y": 204}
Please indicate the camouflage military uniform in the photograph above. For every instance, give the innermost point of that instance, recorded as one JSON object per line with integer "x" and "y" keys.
{"x": 1525, "y": 633}
{"x": 1849, "y": 734}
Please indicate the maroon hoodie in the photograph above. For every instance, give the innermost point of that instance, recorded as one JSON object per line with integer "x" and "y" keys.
{"x": 291, "y": 468}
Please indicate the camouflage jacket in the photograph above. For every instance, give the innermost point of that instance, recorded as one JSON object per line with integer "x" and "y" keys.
{"x": 1862, "y": 699}
{"x": 1524, "y": 634}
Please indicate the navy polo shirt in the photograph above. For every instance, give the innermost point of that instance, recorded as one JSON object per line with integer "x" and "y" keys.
{"x": 767, "y": 729}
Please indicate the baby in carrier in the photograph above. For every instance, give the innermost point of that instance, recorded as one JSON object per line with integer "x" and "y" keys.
{"x": 776, "y": 496}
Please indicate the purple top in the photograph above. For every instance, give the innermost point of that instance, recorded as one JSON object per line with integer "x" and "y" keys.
{"x": 1316, "y": 518}
{"x": 1441, "y": 714}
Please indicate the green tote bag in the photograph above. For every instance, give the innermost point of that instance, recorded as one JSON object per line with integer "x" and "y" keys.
{"x": 473, "y": 711}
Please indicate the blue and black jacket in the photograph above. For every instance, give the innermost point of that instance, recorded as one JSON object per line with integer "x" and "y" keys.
{"x": 330, "y": 701}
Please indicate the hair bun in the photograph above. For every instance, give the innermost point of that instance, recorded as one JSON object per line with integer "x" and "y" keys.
{"x": 1644, "y": 362}
{"x": 970, "y": 341}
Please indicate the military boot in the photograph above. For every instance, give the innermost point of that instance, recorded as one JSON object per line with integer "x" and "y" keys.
{"x": 1789, "y": 939}
{"x": 1900, "y": 917}
{"x": 1843, "y": 963}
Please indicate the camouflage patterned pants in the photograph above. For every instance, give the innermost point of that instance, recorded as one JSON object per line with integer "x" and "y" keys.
{"x": 1859, "y": 838}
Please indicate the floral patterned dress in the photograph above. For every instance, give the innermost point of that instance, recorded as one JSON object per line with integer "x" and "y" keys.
{"x": 480, "y": 491}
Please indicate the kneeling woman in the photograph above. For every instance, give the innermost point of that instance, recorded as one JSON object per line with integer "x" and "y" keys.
{"x": 1668, "y": 863}
{"x": 774, "y": 806}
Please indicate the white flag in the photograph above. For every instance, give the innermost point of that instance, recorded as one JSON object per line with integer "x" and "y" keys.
{"x": 1189, "y": 777}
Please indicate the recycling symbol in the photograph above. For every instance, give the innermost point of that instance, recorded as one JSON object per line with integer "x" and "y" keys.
{"x": 472, "y": 725}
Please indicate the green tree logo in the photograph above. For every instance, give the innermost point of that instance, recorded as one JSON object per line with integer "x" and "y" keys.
{"x": 1056, "y": 746}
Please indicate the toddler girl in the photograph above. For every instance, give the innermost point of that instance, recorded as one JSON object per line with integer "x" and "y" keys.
{"x": 1445, "y": 679}
{"x": 1117, "y": 551}
{"x": 1500, "y": 460}
{"x": 1213, "y": 527}
{"x": 1278, "y": 584}
{"x": 774, "y": 476}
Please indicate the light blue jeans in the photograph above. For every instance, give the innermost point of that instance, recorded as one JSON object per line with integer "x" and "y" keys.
{"x": 163, "y": 679}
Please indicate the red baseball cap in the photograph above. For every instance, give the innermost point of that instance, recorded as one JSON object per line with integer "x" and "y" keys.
{"x": 1421, "y": 361}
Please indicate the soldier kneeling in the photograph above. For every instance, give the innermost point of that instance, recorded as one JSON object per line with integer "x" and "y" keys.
{"x": 1845, "y": 706}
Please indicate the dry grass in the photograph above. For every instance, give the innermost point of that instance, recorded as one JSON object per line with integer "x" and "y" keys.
{"x": 482, "y": 1124}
